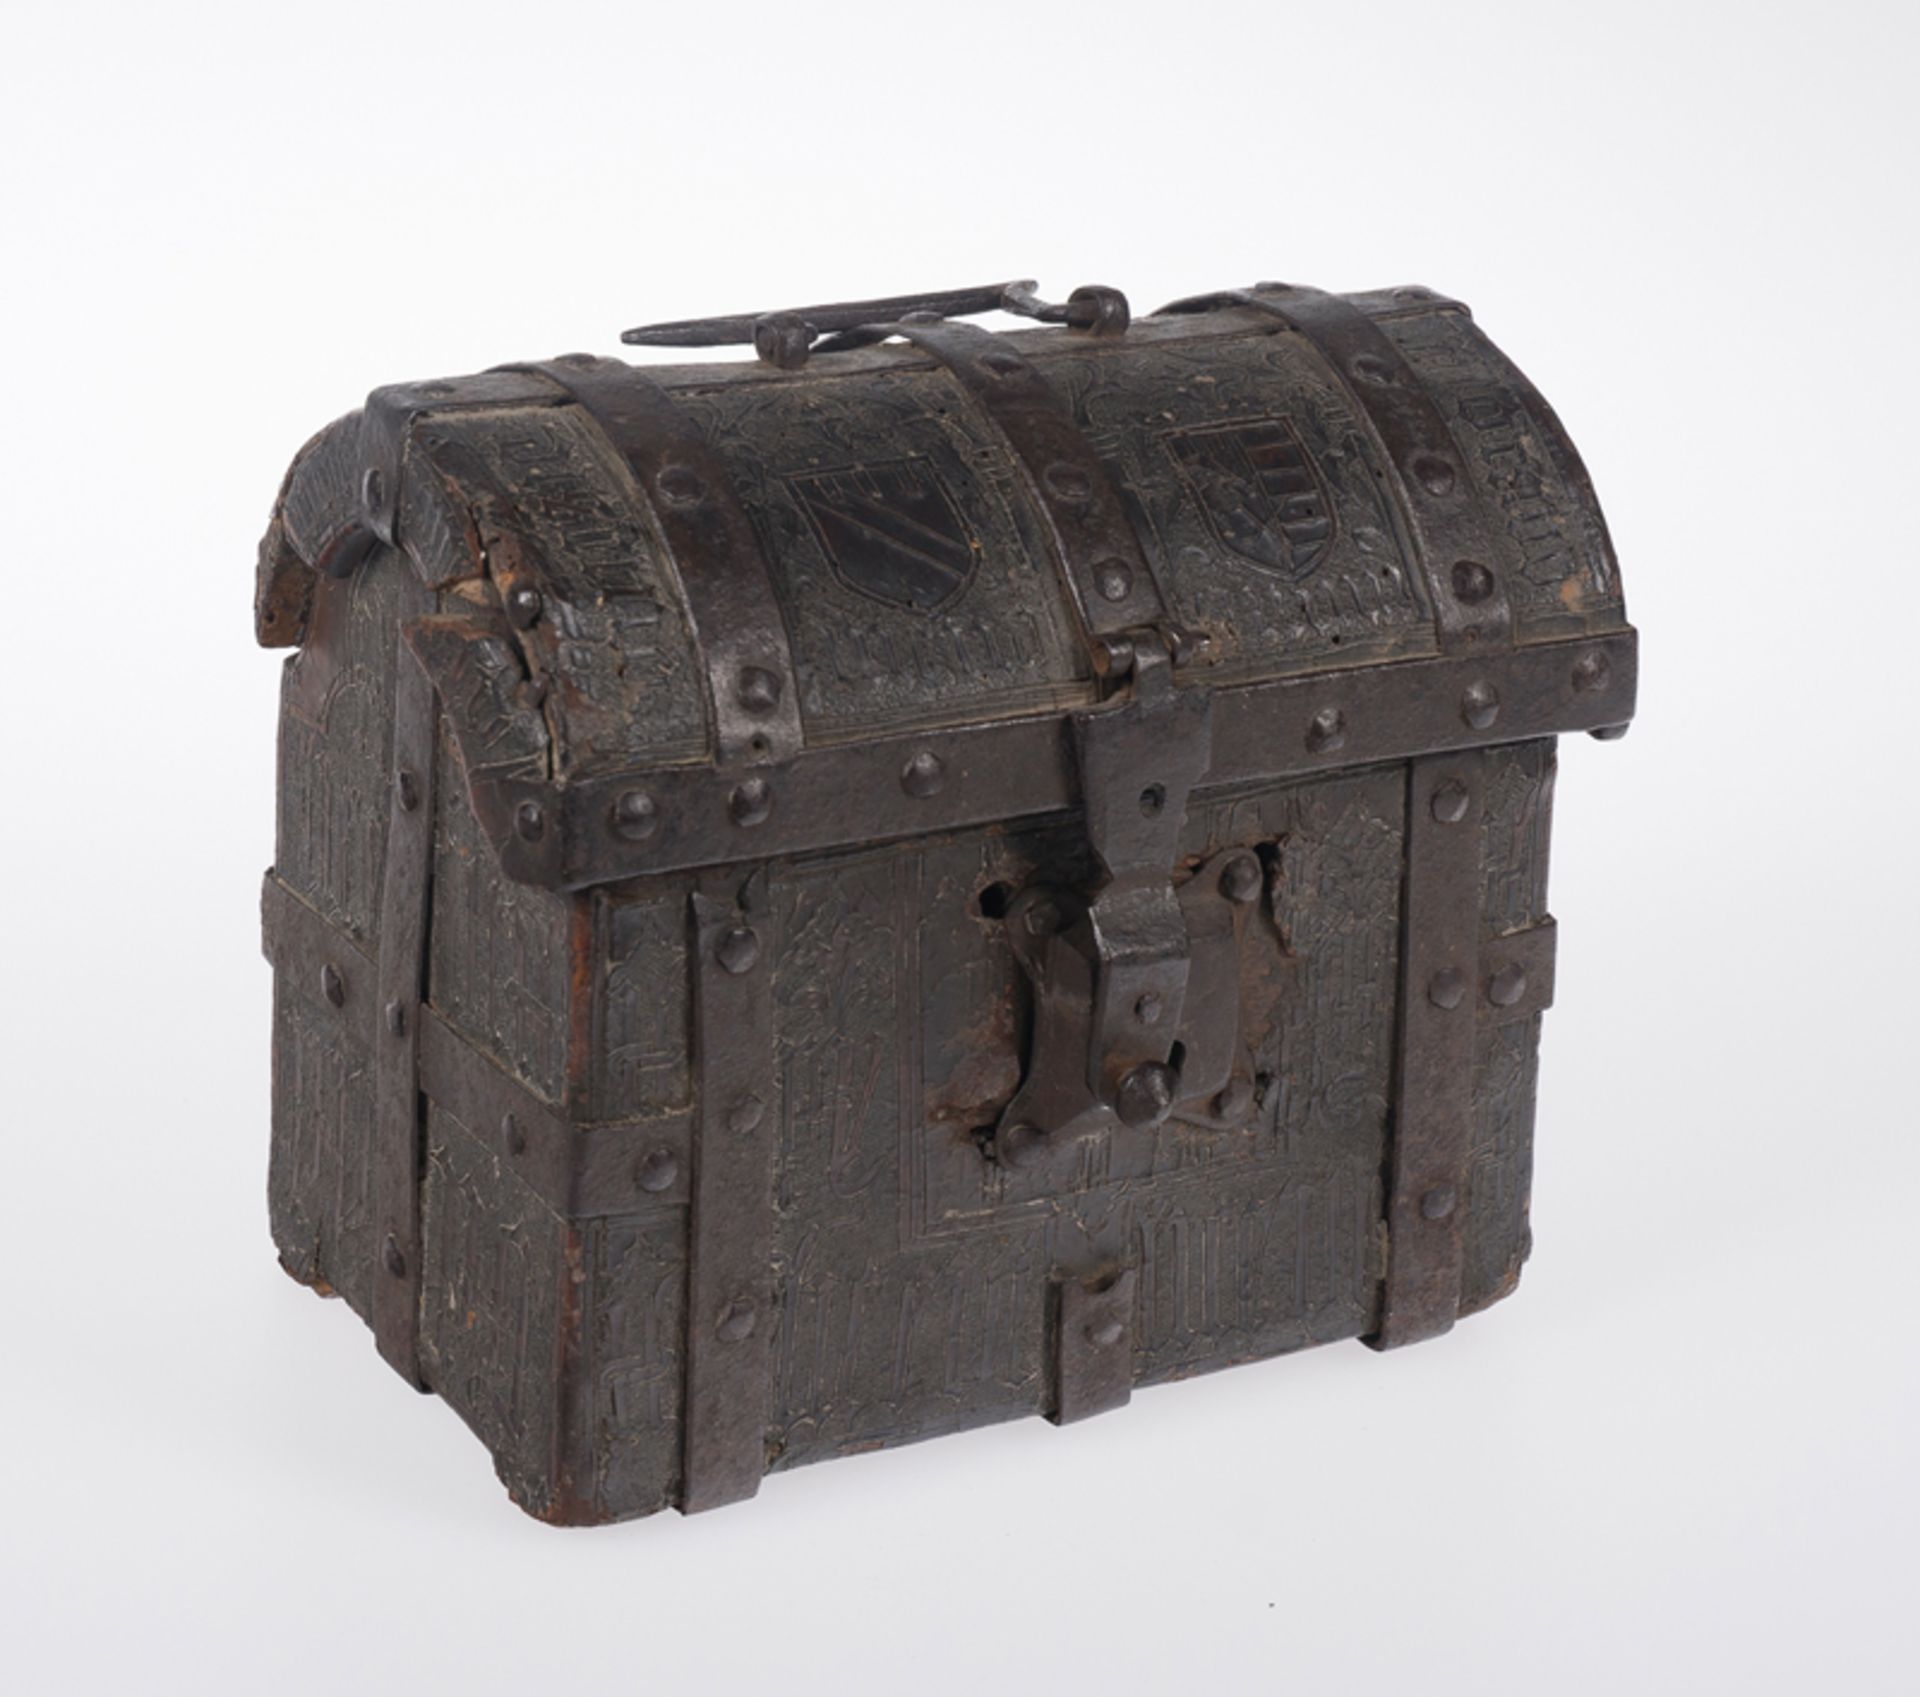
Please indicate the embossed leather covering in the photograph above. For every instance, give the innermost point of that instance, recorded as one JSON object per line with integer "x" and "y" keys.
{"x": 915, "y": 581}
{"x": 818, "y": 907}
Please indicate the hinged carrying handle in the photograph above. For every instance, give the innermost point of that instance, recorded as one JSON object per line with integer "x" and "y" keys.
{"x": 787, "y": 338}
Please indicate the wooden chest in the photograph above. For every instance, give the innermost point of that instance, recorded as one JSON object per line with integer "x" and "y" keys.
{"x": 931, "y": 877}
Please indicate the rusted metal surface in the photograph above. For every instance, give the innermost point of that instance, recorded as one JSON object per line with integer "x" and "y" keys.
{"x": 1094, "y": 1347}
{"x": 1012, "y": 768}
{"x": 1110, "y": 964}
{"x": 730, "y": 1318}
{"x": 1440, "y": 993}
{"x": 398, "y": 1132}
{"x": 579, "y": 1170}
{"x": 928, "y": 877}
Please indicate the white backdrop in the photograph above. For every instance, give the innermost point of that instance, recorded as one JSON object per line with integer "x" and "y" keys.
{"x": 1682, "y": 1459}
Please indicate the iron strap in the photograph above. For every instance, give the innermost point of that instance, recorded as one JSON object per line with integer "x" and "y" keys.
{"x": 730, "y": 1233}
{"x": 904, "y": 785}
{"x": 1093, "y": 1345}
{"x": 711, "y": 545}
{"x": 327, "y": 967}
{"x": 581, "y": 1170}
{"x": 1093, "y": 538}
{"x": 397, "y": 1130}
{"x": 1440, "y": 992}
{"x": 1466, "y": 561}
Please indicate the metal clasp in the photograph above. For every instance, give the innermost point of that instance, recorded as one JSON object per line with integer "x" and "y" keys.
{"x": 1135, "y": 984}
{"x": 788, "y": 337}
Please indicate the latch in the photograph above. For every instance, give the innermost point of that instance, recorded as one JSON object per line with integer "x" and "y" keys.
{"x": 1135, "y": 982}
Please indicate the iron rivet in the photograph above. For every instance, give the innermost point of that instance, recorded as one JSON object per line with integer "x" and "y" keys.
{"x": 738, "y": 950}
{"x": 1067, "y": 482}
{"x": 512, "y": 1135}
{"x": 373, "y": 492}
{"x": 924, "y": 775}
{"x": 1240, "y": 880}
{"x": 745, "y": 1115}
{"x": 1148, "y": 1009}
{"x": 406, "y": 790}
{"x": 1508, "y": 985}
{"x": 782, "y": 339}
{"x": 635, "y": 815}
{"x": 1145, "y": 1096}
{"x": 397, "y": 1018}
{"x": 1472, "y": 582}
{"x": 1043, "y": 918}
{"x": 523, "y": 606}
{"x": 1371, "y": 368}
{"x": 392, "y": 1255}
{"x": 736, "y": 1322}
{"x": 759, "y": 689}
{"x": 578, "y": 362}
{"x": 657, "y": 1171}
{"x": 1590, "y": 672}
{"x": 1451, "y": 801}
{"x": 1235, "y": 1102}
{"x": 1434, "y": 473}
{"x": 1438, "y": 1202}
{"x": 681, "y": 486}
{"x": 530, "y": 820}
{"x": 332, "y": 985}
{"x": 1413, "y": 294}
{"x": 1607, "y": 733}
{"x": 1480, "y": 705}
{"x": 1105, "y": 1334}
{"x": 1153, "y": 800}
{"x": 1017, "y": 1146}
{"x": 1327, "y": 732}
{"x": 751, "y": 802}
{"x": 1114, "y": 581}
{"x": 1447, "y": 988}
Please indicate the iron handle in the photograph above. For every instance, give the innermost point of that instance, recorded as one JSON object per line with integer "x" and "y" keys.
{"x": 787, "y": 337}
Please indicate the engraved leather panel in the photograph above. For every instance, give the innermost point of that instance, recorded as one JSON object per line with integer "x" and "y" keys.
{"x": 1526, "y": 469}
{"x": 914, "y": 1280}
{"x": 914, "y": 583}
{"x": 611, "y": 643}
{"x": 1255, "y": 497}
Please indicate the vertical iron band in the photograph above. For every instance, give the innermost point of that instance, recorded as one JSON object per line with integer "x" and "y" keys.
{"x": 1094, "y": 1345}
{"x": 1465, "y": 560}
{"x": 400, "y": 980}
{"x": 1433, "y": 1090}
{"x": 730, "y": 1318}
{"x": 713, "y": 552}
{"x": 1112, "y": 588}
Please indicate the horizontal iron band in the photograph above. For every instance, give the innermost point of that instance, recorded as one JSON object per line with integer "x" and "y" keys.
{"x": 321, "y": 963}
{"x": 1516, "y": 974}
{"x": 579, "y": 1169}
{"x": 631, "y": 825}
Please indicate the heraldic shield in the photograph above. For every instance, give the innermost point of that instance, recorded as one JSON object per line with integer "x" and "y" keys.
{"x": 1261, "y": 492}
